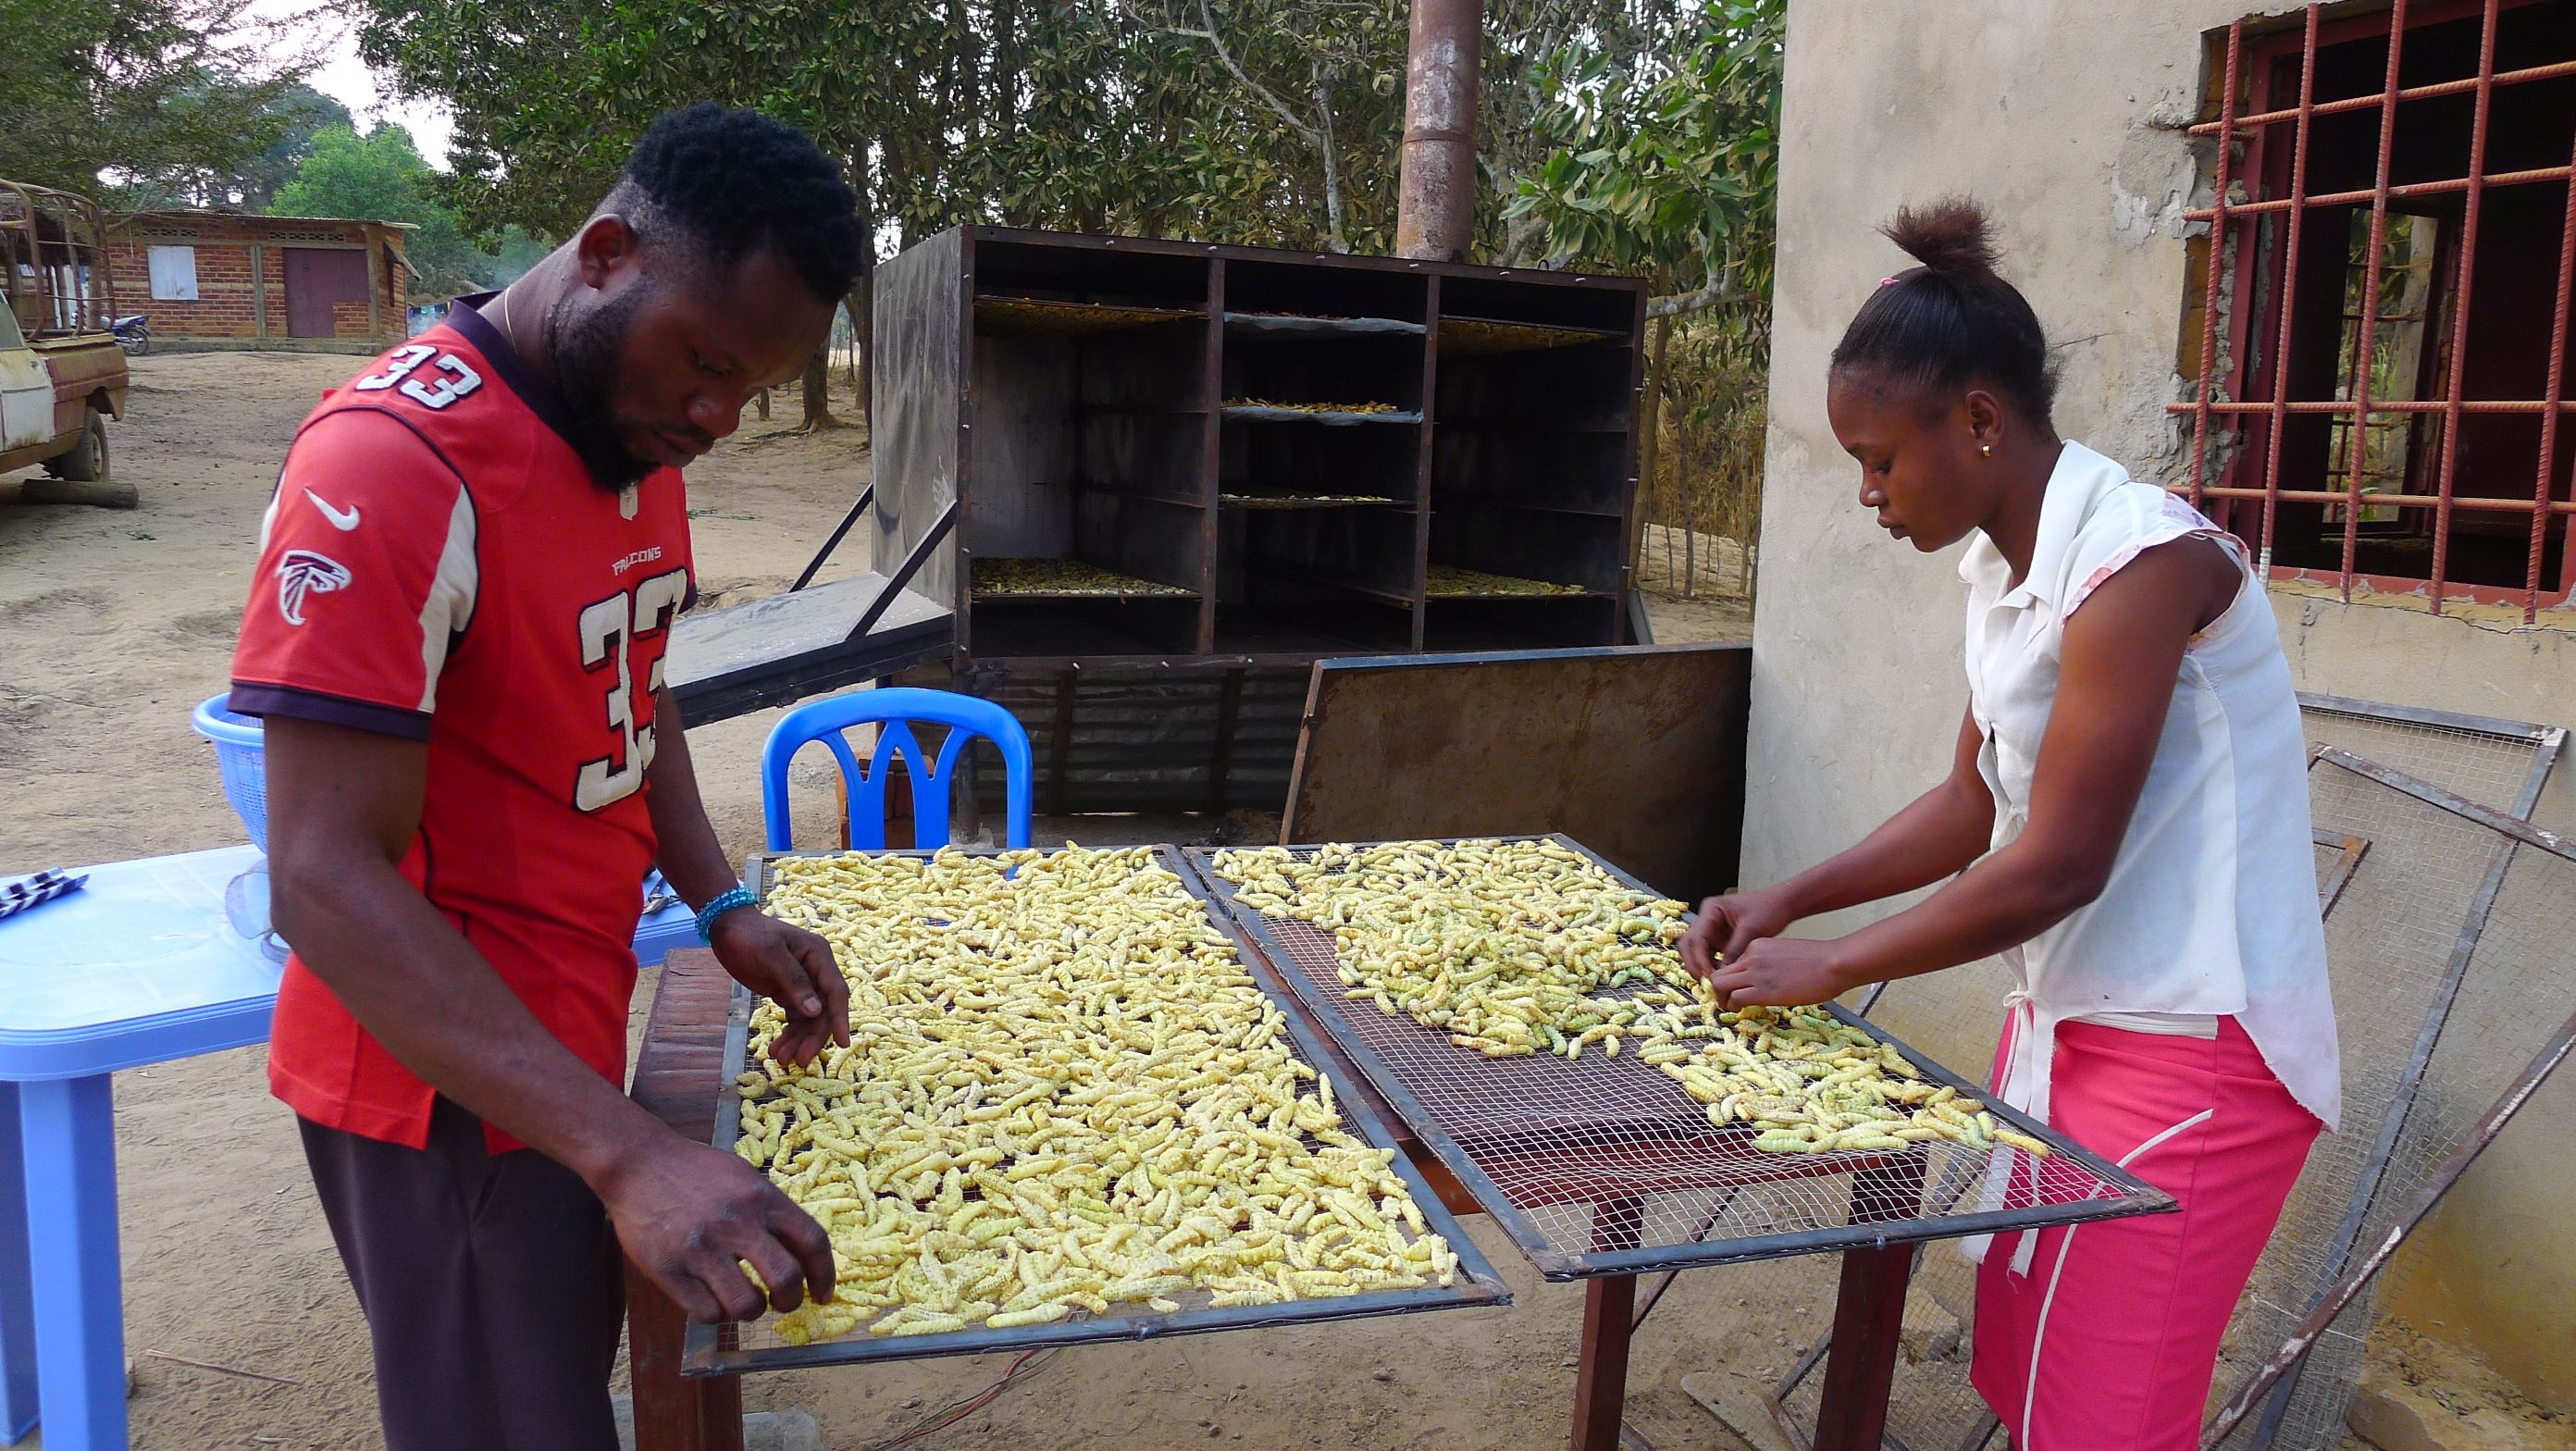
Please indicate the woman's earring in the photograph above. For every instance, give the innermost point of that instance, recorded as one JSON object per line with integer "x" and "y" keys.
{"x": 1987, "y": 449}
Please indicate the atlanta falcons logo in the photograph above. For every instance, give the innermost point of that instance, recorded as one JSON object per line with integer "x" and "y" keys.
{"x": 304, "y": 572}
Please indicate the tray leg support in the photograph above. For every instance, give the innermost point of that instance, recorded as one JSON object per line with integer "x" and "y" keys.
{"x": 69, "y": 1152}
{"x": 17, "y": 1310}
{"x": 1869, "y": 1313}
{"x": 672, "y": 1413}
{"x": 1609, "y": 1318}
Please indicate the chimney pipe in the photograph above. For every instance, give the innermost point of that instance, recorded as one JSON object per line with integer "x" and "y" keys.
{"x": 1435, "y": 216}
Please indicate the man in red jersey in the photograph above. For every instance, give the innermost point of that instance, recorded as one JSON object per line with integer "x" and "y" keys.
{"x": 466, "y": 583}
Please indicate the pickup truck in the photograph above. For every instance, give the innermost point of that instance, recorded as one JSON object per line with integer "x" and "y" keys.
{"x": 62, "y": 374}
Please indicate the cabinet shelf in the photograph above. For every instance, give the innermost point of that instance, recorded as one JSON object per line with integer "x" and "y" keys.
{"x": 1399, "y": 598}
{"x": 1002, "y": 580}
{"x": 1054, "y": 317}
{"x": 1331, "y": 417}
{"x": 1284, "y": 327}
{"x": 1267, "y": 501}
{"x": 1480, "y": 337}
{"x": 1455, "y": 582}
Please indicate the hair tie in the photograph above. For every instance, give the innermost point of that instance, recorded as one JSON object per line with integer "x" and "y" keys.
{"x": 1887, "y": 282}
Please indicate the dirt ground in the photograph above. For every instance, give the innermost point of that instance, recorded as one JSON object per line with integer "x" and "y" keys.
{"x": 117, "y": 624}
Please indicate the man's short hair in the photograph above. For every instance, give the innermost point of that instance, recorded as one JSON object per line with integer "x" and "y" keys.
{"x": 726, "y": 183}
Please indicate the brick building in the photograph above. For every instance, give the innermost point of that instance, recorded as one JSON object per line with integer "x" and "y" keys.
{"x": 322, "y": 284}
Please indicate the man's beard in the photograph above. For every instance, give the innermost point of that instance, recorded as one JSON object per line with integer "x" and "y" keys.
{"x": 584, "y": 347}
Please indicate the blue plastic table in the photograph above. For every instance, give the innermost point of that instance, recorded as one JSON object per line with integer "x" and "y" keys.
{"x": 140, "y": 967}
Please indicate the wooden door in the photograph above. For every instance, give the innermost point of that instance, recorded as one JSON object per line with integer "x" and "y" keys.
{"x": 317, "y": 277}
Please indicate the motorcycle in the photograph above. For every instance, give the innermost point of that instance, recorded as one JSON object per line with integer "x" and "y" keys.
{"x": 133, "y": 333}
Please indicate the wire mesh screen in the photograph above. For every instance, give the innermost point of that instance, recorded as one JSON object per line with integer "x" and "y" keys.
{"x": 2405, "y": 875}
{"x": 1604, "y": 1165}
{"x": 2503, "y": 960}
{"x": 2489, "y": 762}
{"x": 998, "y": 926}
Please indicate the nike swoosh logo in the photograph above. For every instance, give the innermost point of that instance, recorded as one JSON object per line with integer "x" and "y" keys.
{"x": 343, "y": 520}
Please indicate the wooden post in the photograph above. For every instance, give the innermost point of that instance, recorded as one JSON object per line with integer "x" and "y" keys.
{"x": 375, "y": 287}
{"x": 1651, "y": 421}
{"x": 258, "y": 290}
{"x": 1601, "y": 1379}
{"x": 677, "y": 1075}
{"x": 1869, "y": 1311}
{"x": 1609, "y": 1317}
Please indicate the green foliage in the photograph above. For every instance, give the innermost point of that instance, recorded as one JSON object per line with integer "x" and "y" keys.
{"x": 1667, "y": 164}
{"x": 513, "y": 252}
{"x": 381, "y": 177}
{"x": 308, "y": 113}
{"x": 152, "y": 93}
{"x": 1617, "y": 135}
{"x": 1190, "y": 118}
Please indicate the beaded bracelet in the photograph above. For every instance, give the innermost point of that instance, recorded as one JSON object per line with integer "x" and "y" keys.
{"x": 739, "y": 896}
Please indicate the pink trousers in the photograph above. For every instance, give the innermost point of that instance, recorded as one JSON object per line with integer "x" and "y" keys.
{"x": 2110, "y": 1342}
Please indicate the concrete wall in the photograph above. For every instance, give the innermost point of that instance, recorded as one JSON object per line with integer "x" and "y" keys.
{"x": 2065, "y": 119}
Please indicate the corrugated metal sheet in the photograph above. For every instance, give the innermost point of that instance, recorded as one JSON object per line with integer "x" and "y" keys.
{"x": 1148, "y": 739}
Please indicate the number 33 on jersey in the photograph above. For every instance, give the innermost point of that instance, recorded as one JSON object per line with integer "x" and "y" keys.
{"x": 438, "y": 564}
{"x": 449, "y": 378}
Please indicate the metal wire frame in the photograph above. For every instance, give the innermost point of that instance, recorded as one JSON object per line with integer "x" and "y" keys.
{"x": 2350, "y": 851}
{"x": 2233, "y": 240}
{"x": 1616, "y": 1182}
{"x": 2437, "y": 1017}
{"x": 707, "y": 1351}
{"x": 2545, "y": 744}
{"x": 72, "y": 289}
{"x": 2271, "y": 1385}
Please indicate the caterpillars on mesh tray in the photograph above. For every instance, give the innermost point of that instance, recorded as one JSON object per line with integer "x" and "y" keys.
{"x": 1515, "y": 948}
{"x": 1063, "y": 1093}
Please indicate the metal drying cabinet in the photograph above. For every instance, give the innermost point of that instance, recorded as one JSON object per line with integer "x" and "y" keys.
{"x": 1256, "y": 459}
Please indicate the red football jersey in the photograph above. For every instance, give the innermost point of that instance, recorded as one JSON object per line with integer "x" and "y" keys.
{"x": 438, "y": 564}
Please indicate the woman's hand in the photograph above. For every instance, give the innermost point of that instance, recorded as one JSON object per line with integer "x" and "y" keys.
{"x": 1785, "y": 972}
{"x": 1727, "y": 925}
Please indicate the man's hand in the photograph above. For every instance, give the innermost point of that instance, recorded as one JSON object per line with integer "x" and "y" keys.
{"x": 690, "y": 1216}
{"x": 1786, "y": 972}
{"x": 792, "y": 968}
{"x": 1727, "y": 925}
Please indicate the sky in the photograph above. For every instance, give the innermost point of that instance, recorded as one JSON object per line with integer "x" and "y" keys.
{"x": 346, "y": 79}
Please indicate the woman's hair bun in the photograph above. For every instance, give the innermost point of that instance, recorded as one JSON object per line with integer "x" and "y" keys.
{"x": 1950, "y": 237}
{"x": 1952, "y": 322}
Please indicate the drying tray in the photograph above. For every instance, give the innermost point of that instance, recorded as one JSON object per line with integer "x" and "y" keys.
{"x": 1456, "y": 582}
{"x": 1308, "y": 501}
{"x": 1073, "y": 580}
{"x": 1603, "y": 1166}
{"x": 1474, "y": 337}
{"x": 1006, "y": 316}
{"x": 1330, "y": 417}
{"x": 1290, "y": 326}
{"x": 704, "y": 1351}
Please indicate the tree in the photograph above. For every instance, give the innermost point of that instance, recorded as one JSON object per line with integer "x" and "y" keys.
{"x": 1670, "y": 167}
{"x": 1265, "y": 121}
{"x": 513, "y": 253}
{"x": 308, "y": 114}
{"x": 381, "y": 177}
{"x": 147, "y": 92}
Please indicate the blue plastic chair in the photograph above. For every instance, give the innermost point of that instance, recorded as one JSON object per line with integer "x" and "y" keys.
{"x": 893, "y": 710}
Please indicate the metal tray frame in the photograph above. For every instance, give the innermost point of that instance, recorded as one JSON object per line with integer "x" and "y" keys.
{"x": 2139, "y": 1197}
{"x": 1479, "y": 1283}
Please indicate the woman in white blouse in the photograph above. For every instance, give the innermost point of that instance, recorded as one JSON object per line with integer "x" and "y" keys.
{"x": 2125, "y": 823}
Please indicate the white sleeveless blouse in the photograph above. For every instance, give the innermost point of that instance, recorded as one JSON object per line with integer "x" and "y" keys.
{"x": 2211, "y": 906}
